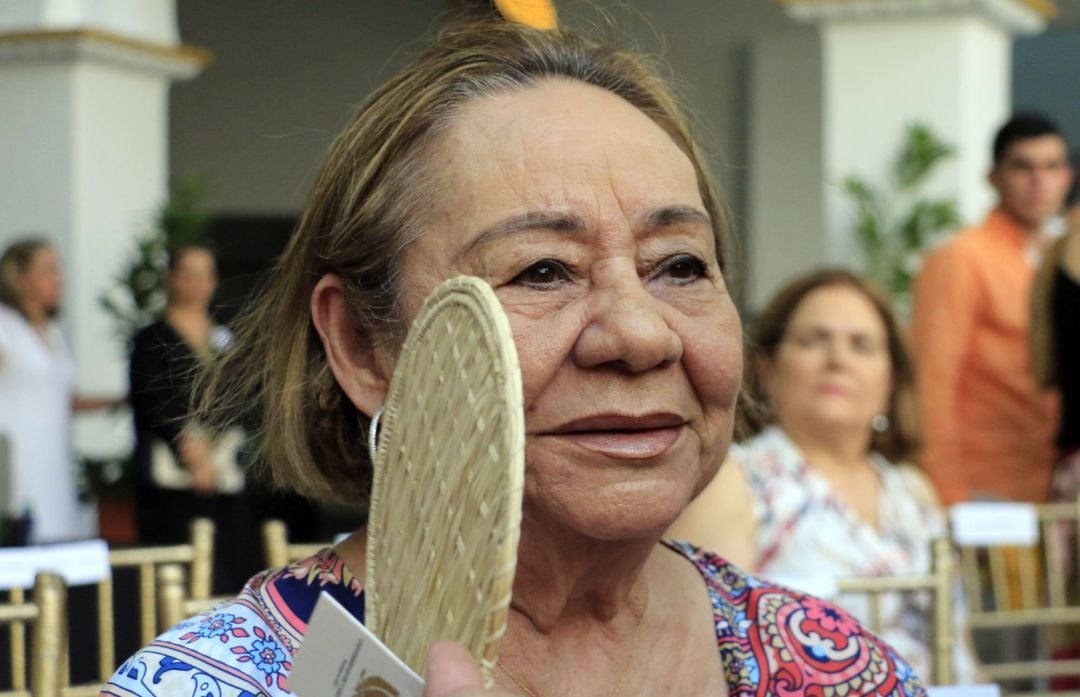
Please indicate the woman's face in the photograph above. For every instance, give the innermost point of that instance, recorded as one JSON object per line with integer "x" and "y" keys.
{"x": 193, "y": 278}
{"x": 587, "y": 221}
{"x": 40, "y": 285}
{"x": 832, "y": 368}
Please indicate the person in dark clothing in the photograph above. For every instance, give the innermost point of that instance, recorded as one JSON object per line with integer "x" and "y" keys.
{"x": 1055, "y": 344}
{"x": 181, "y": 472}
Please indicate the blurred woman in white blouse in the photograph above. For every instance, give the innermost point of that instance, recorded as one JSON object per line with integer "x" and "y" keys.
{"x": 824, "y": 489}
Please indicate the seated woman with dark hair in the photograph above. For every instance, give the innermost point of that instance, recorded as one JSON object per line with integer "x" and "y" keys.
{"x": 564, "y": 174}
{"x": 824, "y": 489}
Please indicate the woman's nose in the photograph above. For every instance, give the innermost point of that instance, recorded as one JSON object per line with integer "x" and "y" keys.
{"x": 838, "y": 354}
{"x": 626, "y": 330}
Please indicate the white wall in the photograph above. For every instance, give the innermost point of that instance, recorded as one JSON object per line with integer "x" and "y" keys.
{"x": 37, "y": 173}
{"x": 951, "y": 73}
{"x": 147, "y": 20}
{"x": 786, "y": 210}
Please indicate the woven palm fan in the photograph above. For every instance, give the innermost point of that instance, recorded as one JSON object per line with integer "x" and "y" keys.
{"x": 446, "y": 497}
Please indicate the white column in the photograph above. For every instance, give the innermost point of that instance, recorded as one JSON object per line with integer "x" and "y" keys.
{"x": 84, "y": 131}
{"x": 883, "y": 65}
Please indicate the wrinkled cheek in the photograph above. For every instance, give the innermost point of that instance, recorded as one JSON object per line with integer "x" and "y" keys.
{"x": 715, "y": 369}
{"x": 543, "y": 346}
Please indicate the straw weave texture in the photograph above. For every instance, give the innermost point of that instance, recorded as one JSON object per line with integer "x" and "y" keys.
{"x": 446, "y": 498}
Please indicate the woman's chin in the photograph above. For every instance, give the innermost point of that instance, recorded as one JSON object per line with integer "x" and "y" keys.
{"x": 625, "y": 512}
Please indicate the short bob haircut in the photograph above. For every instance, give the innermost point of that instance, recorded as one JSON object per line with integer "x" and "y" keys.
{"x": 368, "y": 205}
{"x": 899, "y": 442}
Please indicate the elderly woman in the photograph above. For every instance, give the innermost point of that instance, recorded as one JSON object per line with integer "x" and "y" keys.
{"x": 823, "y": 489}
{"x": 565, "y": 175}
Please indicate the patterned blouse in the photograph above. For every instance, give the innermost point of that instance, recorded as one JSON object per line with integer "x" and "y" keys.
{"x": 807, "y": 537}
{"x": 771, "y": 641}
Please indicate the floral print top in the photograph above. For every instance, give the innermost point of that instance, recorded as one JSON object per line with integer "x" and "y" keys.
{"x": 807, "y": 535}
{"x": 771, "y": 640}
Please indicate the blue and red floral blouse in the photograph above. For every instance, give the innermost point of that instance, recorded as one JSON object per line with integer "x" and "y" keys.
{"x": 772, "y": 641}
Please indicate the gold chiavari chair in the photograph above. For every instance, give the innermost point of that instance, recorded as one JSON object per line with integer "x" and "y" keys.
{"x": 197, "y": 555}
{"x": 46, "y": 613}
{"x": 277, "y": 548}
{"x": 83, "y": 563}
{"x": 938, "y": 583}
{"x": 1010, "y": 585}
{"x": 174, "y": 602}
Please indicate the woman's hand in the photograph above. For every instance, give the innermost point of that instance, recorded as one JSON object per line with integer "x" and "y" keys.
{"x": 196, "y": 453}
{"x": 453, "y": 672}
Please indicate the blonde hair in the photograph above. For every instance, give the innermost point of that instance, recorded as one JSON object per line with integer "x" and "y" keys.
{"x": 14, "y": 262}
{"x": 899, "y": 442}
{"x": 368, "y": 205}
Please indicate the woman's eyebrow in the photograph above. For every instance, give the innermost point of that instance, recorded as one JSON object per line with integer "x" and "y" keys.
{"x": 568, "y": 223}
{"x": 673, "y": 215}
{"x": 528, "y": 221}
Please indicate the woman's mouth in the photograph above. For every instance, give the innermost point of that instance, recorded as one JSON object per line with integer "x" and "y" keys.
{"x": 628, "y": 437}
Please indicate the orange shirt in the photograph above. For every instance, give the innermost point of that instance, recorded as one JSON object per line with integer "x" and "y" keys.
{"x": 989, "y": 430}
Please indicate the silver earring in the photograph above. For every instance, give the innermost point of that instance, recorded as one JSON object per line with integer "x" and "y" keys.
{"x": 880, "y": 423}
{"x": 373, "y": 433}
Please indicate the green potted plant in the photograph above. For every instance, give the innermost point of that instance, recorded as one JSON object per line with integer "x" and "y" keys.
{"x": 895, "y": 225}
{"x": 138, "y": 295}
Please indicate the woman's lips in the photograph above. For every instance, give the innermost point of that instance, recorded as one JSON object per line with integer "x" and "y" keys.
{"x": 641, "y": 444}
{"x": 627, "y": 436}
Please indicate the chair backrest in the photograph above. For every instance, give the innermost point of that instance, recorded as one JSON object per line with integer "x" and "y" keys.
{"x": 92, "y": 563}
{"x": 1020, "y": 565}
{"x": 277, "y": 548}
{"x": 46, "y": 612}
{"x": 938, "y": 583}
{"x": 197, "y": 555}
{"x": 78, "y": 564}
{"x": 174, "y": 603}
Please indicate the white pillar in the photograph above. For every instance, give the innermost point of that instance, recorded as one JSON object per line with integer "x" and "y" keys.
{"x": 883, "y": 65}
{"x": 84, "y": 131}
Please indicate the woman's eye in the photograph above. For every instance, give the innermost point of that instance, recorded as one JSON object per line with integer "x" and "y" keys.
{"x": 685, "y": 268}
{"x": 546, "y": 273}
{"x": 807, "y": 341}
{"x": 865, "y": 346}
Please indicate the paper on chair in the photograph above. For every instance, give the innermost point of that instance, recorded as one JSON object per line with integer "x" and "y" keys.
{"x": 822, "y": 586}
{"x": 964, "y": 691}
{"x": 996, "y": 524}
{"x": 79, "y": 563}
{"x": 341, "y": 658}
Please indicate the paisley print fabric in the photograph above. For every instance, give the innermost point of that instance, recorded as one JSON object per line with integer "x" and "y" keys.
{"x": 778, "y": 642}
{"x": 771, "y": 641}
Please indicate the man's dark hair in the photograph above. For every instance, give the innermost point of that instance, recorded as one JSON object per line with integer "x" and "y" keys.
{"x": 1021, "y": 127}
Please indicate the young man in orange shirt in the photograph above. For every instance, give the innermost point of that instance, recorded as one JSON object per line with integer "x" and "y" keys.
{"x": 989, "y": 429}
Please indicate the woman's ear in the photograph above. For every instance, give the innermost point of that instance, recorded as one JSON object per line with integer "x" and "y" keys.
{"x": 361, "y": 370}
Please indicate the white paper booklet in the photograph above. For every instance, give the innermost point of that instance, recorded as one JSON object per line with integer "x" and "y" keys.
{"x": 341, "y": 658}
{"x": 965, "y": 691}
